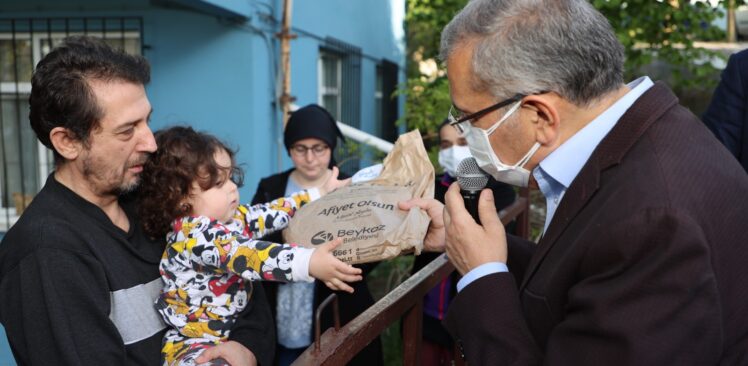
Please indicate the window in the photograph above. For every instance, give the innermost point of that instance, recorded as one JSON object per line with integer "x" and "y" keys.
{"x": 340, "y": 81}
{"x": 340, "y": 92}
{"x": 24, "y": 162}
{"x": 330, "y": 85}
{"x": 387, "y": 107}
{"x": 378, "y": 101}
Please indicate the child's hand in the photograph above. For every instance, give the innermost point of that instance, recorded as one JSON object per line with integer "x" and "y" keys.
{"x": 333, "y": 183}
{"x": 333, "y": 272}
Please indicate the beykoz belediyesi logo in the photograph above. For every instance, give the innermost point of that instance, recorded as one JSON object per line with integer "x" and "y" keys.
{"x": 321, "y": 237}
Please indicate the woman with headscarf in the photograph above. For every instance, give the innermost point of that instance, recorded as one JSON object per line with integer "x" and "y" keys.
{"x": 310, "y": 137}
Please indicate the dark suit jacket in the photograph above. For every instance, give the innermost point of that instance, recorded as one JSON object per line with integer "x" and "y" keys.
{"x": 727, "y": 115}
{"x": 643, "y": 263}
{"x": 350, "y": 305}
{"x": 504, "y": 196}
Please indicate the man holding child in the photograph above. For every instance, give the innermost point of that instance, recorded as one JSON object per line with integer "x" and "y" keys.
{"x": 78, "y": 276}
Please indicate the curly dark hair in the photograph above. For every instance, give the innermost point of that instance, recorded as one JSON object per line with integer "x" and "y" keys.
{"x": 183, "y": 157}
{"x": 60, "y": 92}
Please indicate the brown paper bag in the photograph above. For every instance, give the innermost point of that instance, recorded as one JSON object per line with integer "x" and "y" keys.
{"x": 366, "y": 215}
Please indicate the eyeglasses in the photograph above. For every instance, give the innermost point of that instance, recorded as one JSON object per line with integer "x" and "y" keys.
{"x": 460, "y": 119}
{"x": 301, "y": 150}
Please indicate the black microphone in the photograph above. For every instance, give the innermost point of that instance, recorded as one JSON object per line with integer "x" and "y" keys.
{"x": 471, "y": 179}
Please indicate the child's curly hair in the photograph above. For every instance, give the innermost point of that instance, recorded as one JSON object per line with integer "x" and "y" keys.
{"x": 183, "y": 156}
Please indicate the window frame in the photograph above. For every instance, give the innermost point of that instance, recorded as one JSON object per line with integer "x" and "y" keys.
{"x": 323, "y": 89}
{"x": 19, "y": 89}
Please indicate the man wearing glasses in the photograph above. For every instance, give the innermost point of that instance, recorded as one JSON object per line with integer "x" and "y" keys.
{"x": 641, "y": 258}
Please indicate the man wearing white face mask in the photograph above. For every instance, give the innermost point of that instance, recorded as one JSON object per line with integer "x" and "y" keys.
{"x": 642, "y": 257}
{"x": 453, "y": 148}
{"x": 437, "y": 346}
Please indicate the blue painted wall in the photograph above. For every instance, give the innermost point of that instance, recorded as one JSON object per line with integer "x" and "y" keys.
{"x": 217, "y": 80}
{"x": 6, "y": 355}
{"x": 220, "y": 75}
{"x": 374, "y": 26}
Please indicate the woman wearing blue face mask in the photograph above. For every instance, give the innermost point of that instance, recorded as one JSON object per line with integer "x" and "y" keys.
{"x": 437, "y": 347}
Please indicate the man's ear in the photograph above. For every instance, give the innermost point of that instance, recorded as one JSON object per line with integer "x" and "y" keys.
{"x": 65, "y": 143}
{"x": 545, "y": 118}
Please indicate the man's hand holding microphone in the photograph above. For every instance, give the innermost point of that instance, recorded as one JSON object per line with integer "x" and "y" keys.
{"x": 468, "y": 244}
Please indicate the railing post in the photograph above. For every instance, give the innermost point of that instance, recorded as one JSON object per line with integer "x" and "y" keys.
{"x": 318, "y": 319}
{"x": 412, "y": 329}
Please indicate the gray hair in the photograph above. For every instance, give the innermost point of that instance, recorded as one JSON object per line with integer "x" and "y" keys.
{"x": 529, "y": 46}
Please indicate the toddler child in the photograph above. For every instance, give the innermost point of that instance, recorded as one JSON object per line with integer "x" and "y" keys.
{"x": 189, "y": 196}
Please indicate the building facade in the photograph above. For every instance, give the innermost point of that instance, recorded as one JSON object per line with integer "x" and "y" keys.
{"x": 215, "y": 66}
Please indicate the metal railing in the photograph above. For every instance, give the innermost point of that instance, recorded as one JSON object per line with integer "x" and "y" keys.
{"x": 338, "y": 345}
{"x": 359, "y": 136}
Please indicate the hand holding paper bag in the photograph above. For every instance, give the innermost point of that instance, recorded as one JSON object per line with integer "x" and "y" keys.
{"x": 333, "y": 183}
{"x": 366, "y": 215}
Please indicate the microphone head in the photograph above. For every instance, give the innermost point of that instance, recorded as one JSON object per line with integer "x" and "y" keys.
{"x": 470, "y": 177}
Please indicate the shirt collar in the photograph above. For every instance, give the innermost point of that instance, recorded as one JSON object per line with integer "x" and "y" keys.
{"x": 565, "y": 163}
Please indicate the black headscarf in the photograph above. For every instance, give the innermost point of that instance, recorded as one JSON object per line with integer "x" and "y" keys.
{"x": 312, "y": 121}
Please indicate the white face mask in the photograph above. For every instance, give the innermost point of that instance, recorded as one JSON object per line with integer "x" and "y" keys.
{"x": 480, "y": 147}
{"x": 451, "y": 157}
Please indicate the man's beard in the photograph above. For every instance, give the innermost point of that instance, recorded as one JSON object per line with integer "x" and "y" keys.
{"x": 110, "y": 182}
